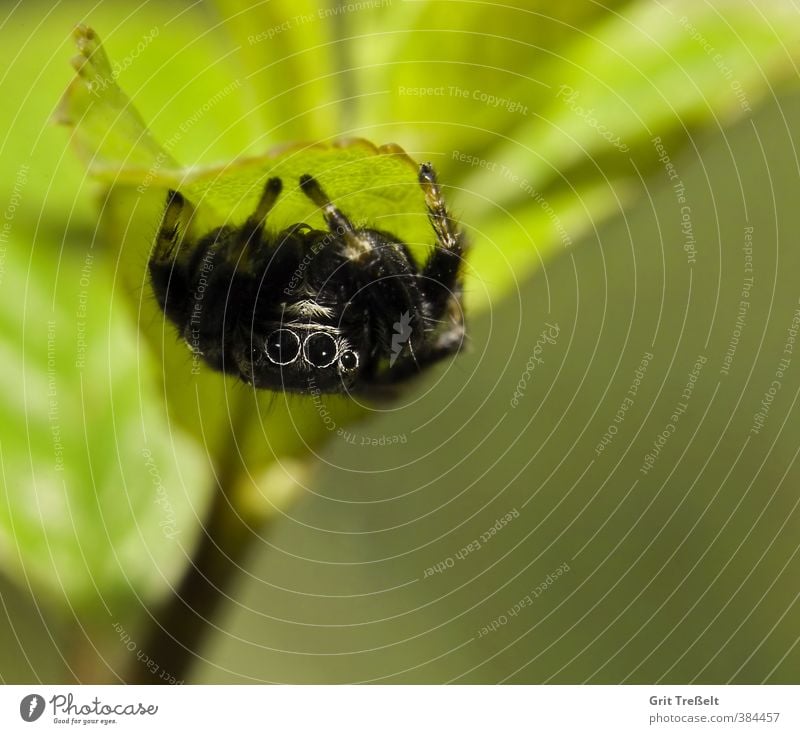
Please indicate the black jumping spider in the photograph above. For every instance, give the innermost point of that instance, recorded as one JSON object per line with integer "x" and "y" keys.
{"x": 303, "y": 309}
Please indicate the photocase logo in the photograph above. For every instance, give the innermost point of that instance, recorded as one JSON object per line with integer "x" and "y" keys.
{"x": 402, "y": 333}
{"x": 31, "y": 707}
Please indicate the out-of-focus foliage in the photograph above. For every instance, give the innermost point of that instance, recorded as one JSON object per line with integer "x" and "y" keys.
{"x": 540, "y": 118}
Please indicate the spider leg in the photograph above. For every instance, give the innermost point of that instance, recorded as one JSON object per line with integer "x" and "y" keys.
{"x": 252, "y": 230}
{"x": 272, "y": 190}
{"x": 410, "y": 366}
{"x": 169, "y": 267}
{"x": 173, "y": 227}
{"x": 440, "y": 281}
{"x": 439, "y": 284}
{"x": 358, "y": 246}
{"x": 440, "y": 343}
{"x": 441, "y": 276}
{"x": 447, "y": 231}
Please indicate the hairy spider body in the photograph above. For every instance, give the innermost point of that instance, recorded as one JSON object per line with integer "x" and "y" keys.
{"x": 303, "y": 309}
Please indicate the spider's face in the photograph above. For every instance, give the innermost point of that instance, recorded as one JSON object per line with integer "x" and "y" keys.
{"x": 299, "y": 357}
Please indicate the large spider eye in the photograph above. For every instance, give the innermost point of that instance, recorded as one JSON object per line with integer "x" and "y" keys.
{"x": 348, "y": 361}
{"x": 283, "y": 346}
{"x": 320, "y": 349}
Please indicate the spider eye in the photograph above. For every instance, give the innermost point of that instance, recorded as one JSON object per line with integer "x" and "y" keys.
{"x": 348, "y": 361}
{"x": 320, "y": 349}
{"x": 283, "y": 346}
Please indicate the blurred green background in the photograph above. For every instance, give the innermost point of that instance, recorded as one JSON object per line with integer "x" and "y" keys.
{"x": 551, "y": 129}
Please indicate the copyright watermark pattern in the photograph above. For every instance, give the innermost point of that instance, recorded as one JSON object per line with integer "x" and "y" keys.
{"x": 626, "y": 404}
{"x": 675, "y": 417}
{"x": 571, "y": 98}
{"x": 323, "y": 13}
{"x": 168, "y": 524}
{"x": 719, "y": 61}
{"x": 20, "y": 182}
{"x": 488, "y": 99}
{"x": 184, "y": 128}
{"x": 602, "y": 171}
{"x": 474, "y": 545}
{"x": 522, "y": 183}
{"x": 679, "y": 190}
{"x": 548, "y": 335}
{"x": 118, "y": 67}
{"x": 526, "y": 601}
{"x": 743, "y": 307}
{"x": 152, "y": 666}
{"x": 782, "y": 367}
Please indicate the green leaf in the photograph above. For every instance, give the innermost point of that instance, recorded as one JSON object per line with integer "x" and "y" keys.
{"x": 99, "y": 494}
{"x": 289, "y": 58}
{"x": 442, "y": 76}
{"x": 96, "y": 528}
{"x": 378, "y": 184}
{"x": 110, "y": 127}
{"x": 530, "y": 108}
{"x": 656, "y": 70}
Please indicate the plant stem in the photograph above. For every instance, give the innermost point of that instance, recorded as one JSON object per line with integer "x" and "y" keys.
{"x": 176, "y": 631}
